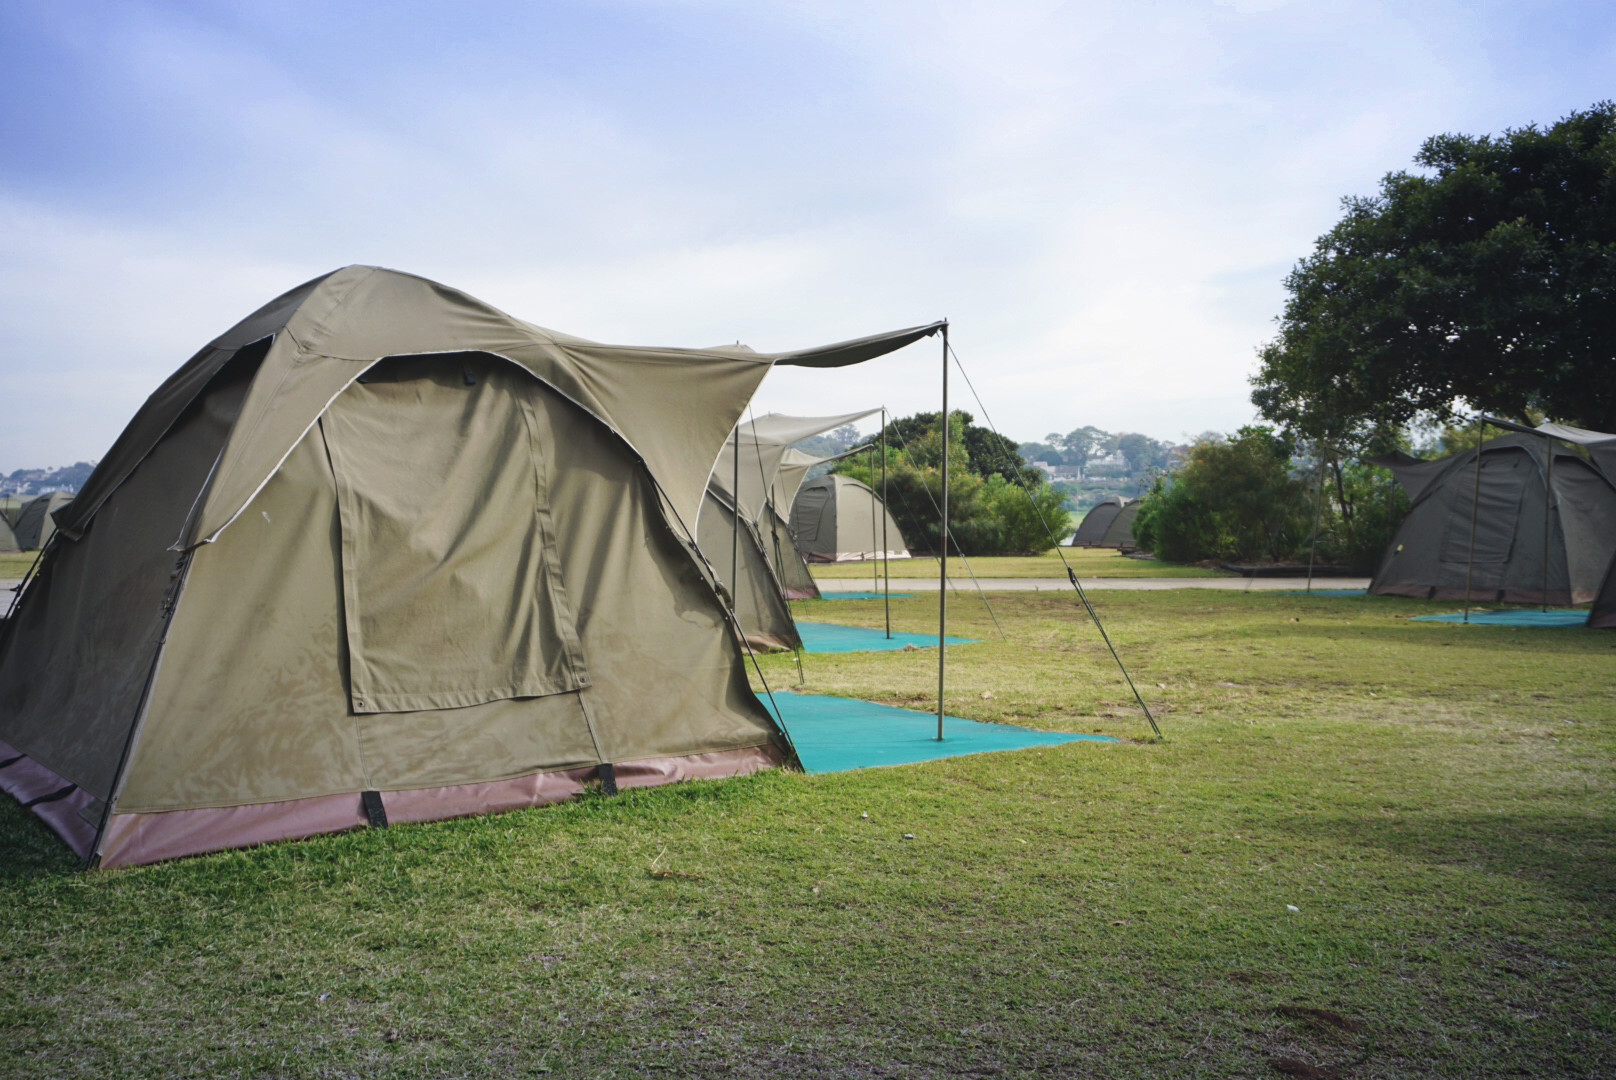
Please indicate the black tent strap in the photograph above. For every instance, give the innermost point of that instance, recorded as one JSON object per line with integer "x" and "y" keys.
{"x": 375, "y": 812}
{"x": 55, "y": 796}
{"x": 608, "y": 778}
{"x": 1053, "y": 539}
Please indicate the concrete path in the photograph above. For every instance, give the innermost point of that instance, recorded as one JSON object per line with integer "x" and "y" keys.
{"x": 1237, "y": 584}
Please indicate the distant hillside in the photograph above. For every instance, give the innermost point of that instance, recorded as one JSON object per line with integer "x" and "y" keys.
{"x": 44, "y": 481}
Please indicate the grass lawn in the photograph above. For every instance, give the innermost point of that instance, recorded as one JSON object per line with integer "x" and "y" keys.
{"x": 1369, "y": 847}
{"x": 1088, "y": 562}
{"x": 14, "y": 565}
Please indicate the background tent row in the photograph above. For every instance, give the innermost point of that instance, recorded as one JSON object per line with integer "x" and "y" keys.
{"x": 1521, "y": 519}
{"x": 459, "y": 549}
{"x": 744, "y": 531}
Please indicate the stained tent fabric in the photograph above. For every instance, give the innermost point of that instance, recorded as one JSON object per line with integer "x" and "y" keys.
{"x": 384, "y": 553}
{"x": 1091, "y": 530}
{"x": 1432, "y": 552}
{"x": 837, "y": 519}
{"x": 36, "y": 522}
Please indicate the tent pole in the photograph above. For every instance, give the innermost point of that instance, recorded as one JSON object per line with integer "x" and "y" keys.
{"x": 1318, "y": 505}
{"x": 942, "y": 583}
{"x": 1475, "y": 505}
{"x": 875, "y": 567}
{"x": 735, "y": 524}
{"x": 886, "y": 564}
{"x": 1548, "y": 497}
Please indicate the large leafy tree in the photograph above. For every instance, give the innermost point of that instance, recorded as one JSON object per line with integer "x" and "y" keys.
{"x": 1487, "y": 280}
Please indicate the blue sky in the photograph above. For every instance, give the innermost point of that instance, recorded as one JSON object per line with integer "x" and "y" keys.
{"x": 1104, "y": 198}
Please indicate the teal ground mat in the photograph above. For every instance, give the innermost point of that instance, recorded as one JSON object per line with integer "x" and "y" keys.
{"x": 1521, "y": 617}
{"x": 1326, "y": 592}
{"x": 834, "y": 637}
{"x": 823, "y": 595}
{"x": 833, "y": 734}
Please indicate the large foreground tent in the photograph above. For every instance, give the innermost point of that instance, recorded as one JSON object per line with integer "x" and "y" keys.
{"x": 838, "y": 519}
{"x": 384, "y": 553}
{"x": 1490, "y": 531}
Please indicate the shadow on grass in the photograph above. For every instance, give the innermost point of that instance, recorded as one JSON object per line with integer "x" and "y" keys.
{"x": 1573, "y": 857}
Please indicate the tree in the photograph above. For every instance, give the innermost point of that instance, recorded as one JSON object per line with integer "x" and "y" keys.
{"x": 989, "y": 512}
{"x": 1490, "y": 278}
{"x": 1230, "y": 500}
{"x": 1081, "y": 444}
{"x": 1144, "y": 454}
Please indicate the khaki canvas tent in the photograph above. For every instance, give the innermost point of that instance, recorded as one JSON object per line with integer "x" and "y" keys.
{"x": 769, "y": 569}
{"x": 838, "y": 519}
{"x": 36, "y": 522}
{"x": 383, "y": 553}
{"x": 8, "y": 539}
{"x": 1091, "y": 530}
{"x": 1511, "y": 544}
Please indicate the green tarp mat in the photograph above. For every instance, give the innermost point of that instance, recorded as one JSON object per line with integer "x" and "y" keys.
{"x": 825, "y": 637}
{"x": 834, "y": 734}
{"x": 1524, "y": 617}
{"x": 823, "y": 595}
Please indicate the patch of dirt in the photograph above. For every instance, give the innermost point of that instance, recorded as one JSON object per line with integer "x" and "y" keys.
{"x": 1289, "y": 1066}
{"x": 1320, "y": 1016}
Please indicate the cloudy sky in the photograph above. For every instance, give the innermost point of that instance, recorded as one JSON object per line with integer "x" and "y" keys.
{"x": 1104, "y": 197}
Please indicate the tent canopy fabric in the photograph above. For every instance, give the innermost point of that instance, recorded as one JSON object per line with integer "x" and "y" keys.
{"x": 763, "y": 443}
{"x": 1530, "y": 545}
{"x": 670, "y": 405}
{"x": 456, "y": 548}
{"x": 837, "y": 519}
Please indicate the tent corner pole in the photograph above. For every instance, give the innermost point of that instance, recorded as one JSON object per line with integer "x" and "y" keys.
{"x": 735, "y": 522}
{"x": 886, "y": 564}
{"x": 1475, "y": 505}
{"x": 1548, "y": 499}
{"x": 942, "y": 582}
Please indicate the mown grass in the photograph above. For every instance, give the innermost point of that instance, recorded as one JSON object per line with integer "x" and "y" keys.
{"x": 1433, "y": 800}
{"x": 13, "y": 565}
{"x": 1088, "y": 562}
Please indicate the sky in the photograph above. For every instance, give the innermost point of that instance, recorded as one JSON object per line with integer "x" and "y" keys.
{"x": 1103, "y": 198}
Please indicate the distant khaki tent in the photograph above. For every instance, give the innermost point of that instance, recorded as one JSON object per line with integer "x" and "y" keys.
{"x": 1432, "y": 554}
{"x": 838, "y": 519}
{"x": 35, "y": 523}
{"x": 384, "y": 553}
{"x": 1092, "y": 529}
{"x": 8, "y": 542}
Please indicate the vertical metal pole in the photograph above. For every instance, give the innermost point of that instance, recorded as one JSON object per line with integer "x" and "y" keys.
{"x": 886, "y": 564}
{"x": 1475, "y": 505}
{"x": 1318, "y": 505}
{"x": 1548, "y": 498}
{"x": 735, "y": 525}
{"x": 875, "y": 567}
{"x": 942, "y": 582}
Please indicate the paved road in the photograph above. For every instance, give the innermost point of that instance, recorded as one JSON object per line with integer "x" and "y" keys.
{"x": 1238, "y": 584}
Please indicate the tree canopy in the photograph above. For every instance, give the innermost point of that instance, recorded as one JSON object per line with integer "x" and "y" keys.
{"x": 1489, "y": 278}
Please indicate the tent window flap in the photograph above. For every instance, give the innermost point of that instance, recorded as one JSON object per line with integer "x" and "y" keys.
{"x": 451, "y": 588}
